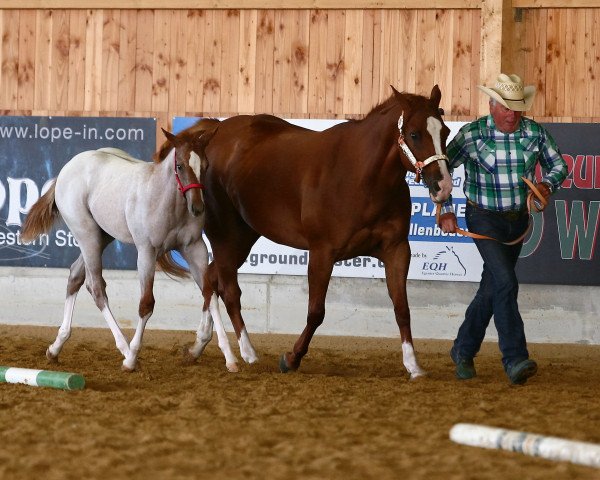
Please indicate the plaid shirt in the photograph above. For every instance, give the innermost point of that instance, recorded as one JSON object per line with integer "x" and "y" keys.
{"x": 495, "y": 162}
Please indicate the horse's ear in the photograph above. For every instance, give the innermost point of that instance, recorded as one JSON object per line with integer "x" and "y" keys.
{"x": 169, "y": 135}
{"x": 436, "y": 95}
{"x": 397, "y": 94}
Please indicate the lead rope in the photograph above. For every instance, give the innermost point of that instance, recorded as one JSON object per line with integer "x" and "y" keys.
{"x": 531, "y": 206}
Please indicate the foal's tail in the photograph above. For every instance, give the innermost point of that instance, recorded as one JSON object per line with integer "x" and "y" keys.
{"x": 41, "y": 217}
{"x": 166, "y": 264}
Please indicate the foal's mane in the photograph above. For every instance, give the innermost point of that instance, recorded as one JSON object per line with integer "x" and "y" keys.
{"x": 410, "y": 98}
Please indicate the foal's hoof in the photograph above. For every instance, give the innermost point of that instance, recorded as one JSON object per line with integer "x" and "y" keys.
{"x": 51, "y": 358}
{"x": 129, "y": 367}
{"x": 187, "y": 357}
{"x": 417, "y": 375}
{"x": 232, "y": 367}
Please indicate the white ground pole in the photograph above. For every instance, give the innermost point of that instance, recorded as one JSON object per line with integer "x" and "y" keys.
{"x": 551, "y": 448}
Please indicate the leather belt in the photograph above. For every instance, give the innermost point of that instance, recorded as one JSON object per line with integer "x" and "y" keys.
{"x": 510, "y": 215}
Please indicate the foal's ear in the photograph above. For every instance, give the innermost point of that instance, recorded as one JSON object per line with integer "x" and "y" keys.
{"x": 397, "y": 94}
{"x": 436, "y": 95}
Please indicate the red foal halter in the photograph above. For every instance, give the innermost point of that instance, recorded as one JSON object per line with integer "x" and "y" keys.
{"x": 184, "y": 188}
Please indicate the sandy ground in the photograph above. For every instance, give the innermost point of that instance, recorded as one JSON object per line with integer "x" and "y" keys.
{"x": 350, "y": 412}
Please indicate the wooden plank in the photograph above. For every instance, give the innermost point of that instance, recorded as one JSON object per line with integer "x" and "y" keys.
{"x": 93, "y": 60}
{"x": 265, "y": 46}
{"x": 212, "y": 61}
{"x": 111, "y": 36}
{"x": 492, "y": 30}
{"x": 178, "y": 54}
{"x": 390, "y": 25}
{"x": 230, "y": 60}
{"x": 144, "y": 61}
{"x": 299, "y": 62}
{"x": 593, "y": 63}
{"x": 353, "y": 62}
{"x": 59, "y": 64}
{"x": 555, "y": 63}
{"x": 161, "y": 60}
{"x": 475, "y": 57}
{"x": 76, "y": 87}
{"x": 9, "y": 59}
{"x": 194, "y": 27}
{"x": 534, "y": 47}
{"x": 246, "y": 87}
{"x": 425, "y": 61}
{"x": 27, "y": 42}
{"x": 42, "y": 59}
{"x": 336, "y": 24}
{"x": 369, "y": 74}
{"x": 443, "y": 57}
{"x": 556, "y": 3}
{"x": 267, "y": 4}
{"x": 407, "y": 50}
{"x": 282, "y": 63}
{"x": 127, "y": 62}
{"x": 576, "y": 51}
{"x": 317, "y": 62}
{"x": 461, "y": 64}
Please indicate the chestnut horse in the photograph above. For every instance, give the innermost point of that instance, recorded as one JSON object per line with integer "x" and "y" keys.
{"x": 339, "y": 193}
{"x": 105, "y": 194}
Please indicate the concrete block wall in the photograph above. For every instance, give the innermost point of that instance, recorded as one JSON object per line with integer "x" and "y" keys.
{"x": 278, "y": 303}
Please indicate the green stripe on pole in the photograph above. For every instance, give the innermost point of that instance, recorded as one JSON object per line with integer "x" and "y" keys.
{"x": 42, "y": 378}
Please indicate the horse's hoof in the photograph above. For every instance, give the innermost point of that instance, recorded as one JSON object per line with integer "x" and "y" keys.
{"x": 232, "y": 367}
{"x": 283, "y": 366}
{"x": 51, "y": 358}
{"x": 188, "y": 357}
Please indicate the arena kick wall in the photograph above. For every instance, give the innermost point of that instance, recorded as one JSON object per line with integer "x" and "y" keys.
{"x": 85, "y": 58}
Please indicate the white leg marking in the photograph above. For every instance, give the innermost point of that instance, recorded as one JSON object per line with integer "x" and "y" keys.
{"x": 203, "y": 334}
{"x": 410, "y": 361}
{"x": 64, "y": 332}
{"x": 120, "y": 339}
{"x": 230, "y": 359}
{"x": 246, "y": 349}
{"x": 135, "y": 344}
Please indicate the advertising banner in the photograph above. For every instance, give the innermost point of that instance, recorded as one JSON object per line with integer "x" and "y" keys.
{"x": 32, "y": 152}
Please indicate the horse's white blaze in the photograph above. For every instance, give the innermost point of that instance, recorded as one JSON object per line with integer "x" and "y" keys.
{"x": 410, "y": 361}
{"x": 196, "y": 164}
{"x": 434, "y": 127}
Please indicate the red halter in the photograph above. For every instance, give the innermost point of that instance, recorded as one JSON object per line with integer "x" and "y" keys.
{"x": 180, "y": 186}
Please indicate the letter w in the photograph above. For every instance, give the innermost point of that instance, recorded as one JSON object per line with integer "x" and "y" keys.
{"x": 576, "y": 230}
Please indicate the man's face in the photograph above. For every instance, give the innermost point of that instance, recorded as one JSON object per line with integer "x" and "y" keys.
{"x": 506, "y": 120}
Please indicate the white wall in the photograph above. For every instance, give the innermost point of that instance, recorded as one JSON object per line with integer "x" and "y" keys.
{"x": 277, "y": 304}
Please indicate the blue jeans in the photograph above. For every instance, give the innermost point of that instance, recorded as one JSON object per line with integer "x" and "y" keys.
{"x": 498, "y": 289}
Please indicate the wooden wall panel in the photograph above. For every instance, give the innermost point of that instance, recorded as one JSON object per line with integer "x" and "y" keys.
{"x": 298, "y": 62}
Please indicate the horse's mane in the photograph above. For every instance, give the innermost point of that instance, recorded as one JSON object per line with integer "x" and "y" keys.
{"x": 383, "y": 107}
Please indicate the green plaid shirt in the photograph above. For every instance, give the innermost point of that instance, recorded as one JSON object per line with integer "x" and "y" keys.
{"x": 495, "y": 162}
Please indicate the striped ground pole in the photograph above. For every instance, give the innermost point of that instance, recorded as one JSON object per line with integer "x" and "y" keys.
{"x": 42, "y": 378}
{"x": 551, "y": 448}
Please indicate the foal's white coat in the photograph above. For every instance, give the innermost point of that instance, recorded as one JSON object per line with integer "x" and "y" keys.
{"x": 106, "y": 194}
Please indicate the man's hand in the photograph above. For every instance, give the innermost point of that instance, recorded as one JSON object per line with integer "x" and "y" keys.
{"x": 448, "y": 222}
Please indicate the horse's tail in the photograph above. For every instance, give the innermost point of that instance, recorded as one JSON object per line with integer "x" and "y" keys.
{"x": 165, "y": 263}
{"x": 41, "y": 217}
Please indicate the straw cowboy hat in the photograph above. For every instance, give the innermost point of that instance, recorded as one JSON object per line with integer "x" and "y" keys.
{"x": 509, "y": 91}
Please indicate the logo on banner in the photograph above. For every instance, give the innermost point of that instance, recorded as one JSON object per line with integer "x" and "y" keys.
{"x": 444, "y": 262}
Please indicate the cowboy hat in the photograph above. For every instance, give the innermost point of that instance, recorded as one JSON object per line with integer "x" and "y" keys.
{"x": 509, "y": 91}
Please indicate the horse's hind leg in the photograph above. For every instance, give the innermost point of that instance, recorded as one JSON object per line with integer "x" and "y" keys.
{"x": 76, "y": 279}
{"x": 197, "y": 257}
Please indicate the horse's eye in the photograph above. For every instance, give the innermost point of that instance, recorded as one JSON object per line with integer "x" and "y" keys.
{"x": 179, "y": 167}
{"x": 414, "y": 135}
